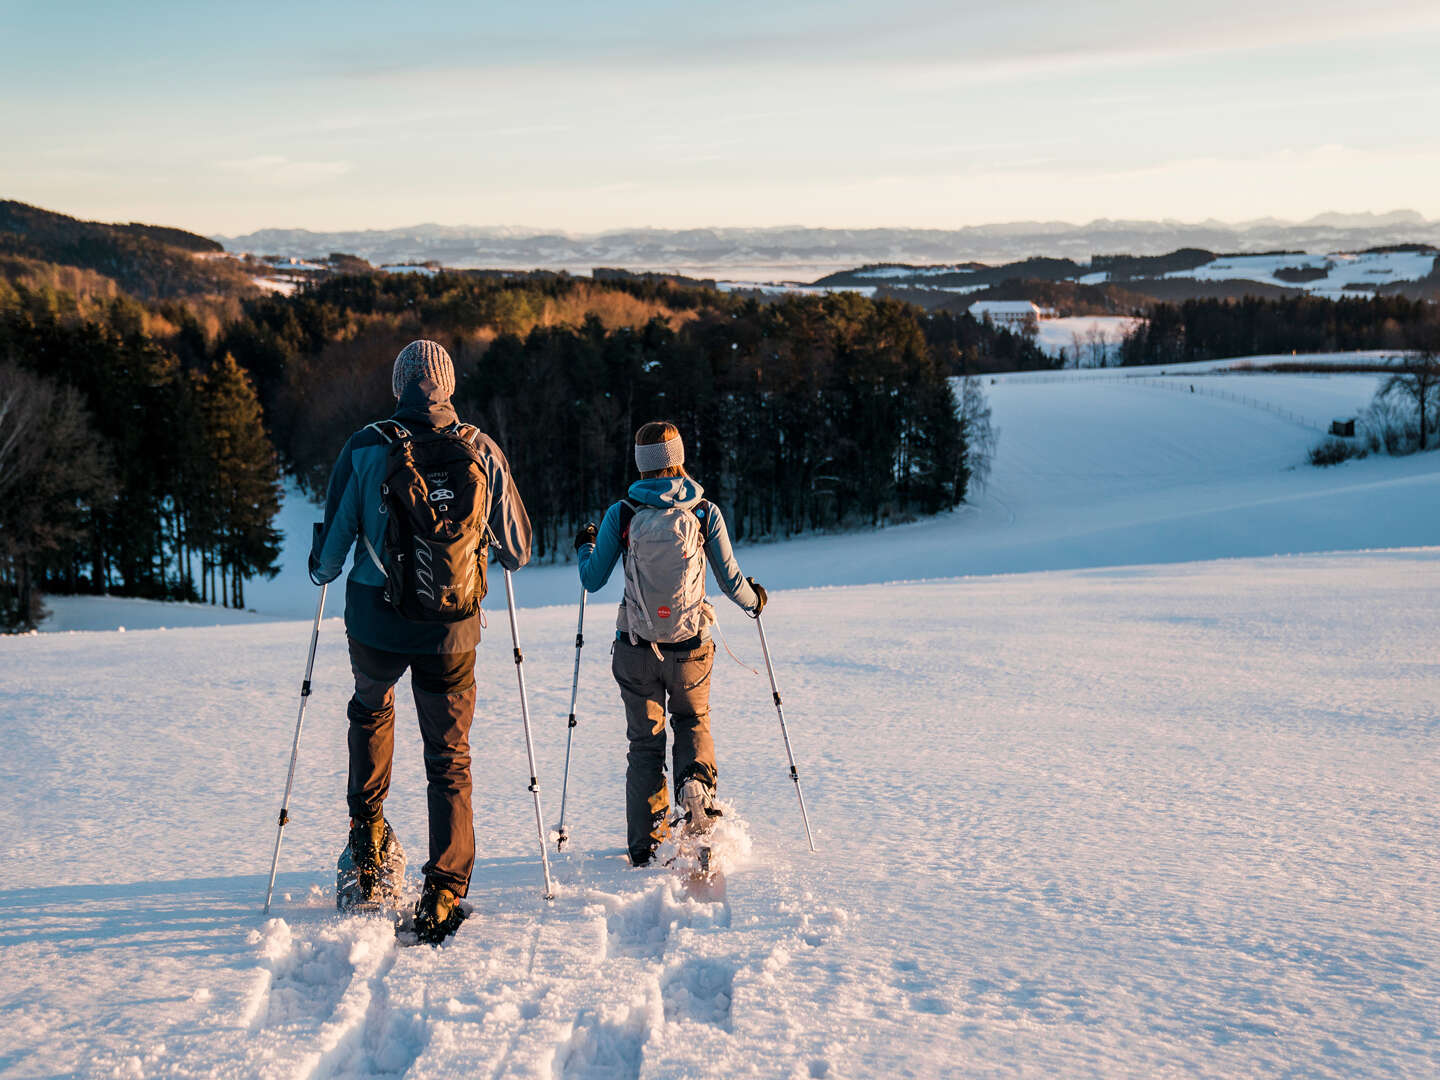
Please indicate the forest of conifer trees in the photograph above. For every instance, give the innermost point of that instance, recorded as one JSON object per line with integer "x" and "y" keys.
{"x": 147, "y": 441}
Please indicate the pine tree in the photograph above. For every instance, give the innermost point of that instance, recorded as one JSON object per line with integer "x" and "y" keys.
{"x": 239, "y": 474}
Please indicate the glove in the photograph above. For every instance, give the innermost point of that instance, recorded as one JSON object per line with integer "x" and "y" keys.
{"x": 760, "y": 594}
{"x": 586, "y": 535}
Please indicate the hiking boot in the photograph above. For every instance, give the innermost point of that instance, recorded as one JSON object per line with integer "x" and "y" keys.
{"x": 697, "y": 804}
{"x": 438, "y": 914}
{"x": 371, "y": 867}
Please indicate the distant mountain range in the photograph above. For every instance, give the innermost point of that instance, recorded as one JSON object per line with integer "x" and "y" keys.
{"x": 798, "y": 253}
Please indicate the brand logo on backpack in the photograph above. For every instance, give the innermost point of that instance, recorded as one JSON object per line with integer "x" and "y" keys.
{"x": 663, "y": 611}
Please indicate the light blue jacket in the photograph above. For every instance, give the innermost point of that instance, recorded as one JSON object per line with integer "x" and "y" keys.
{"x": 597, "y": 560}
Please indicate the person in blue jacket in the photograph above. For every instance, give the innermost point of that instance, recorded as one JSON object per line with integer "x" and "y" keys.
{"x": 659, "y": 532}
{"x": 383, "y": 644}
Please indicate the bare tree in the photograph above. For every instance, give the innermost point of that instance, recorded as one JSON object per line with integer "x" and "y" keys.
{"x": 25, "y": 404}
{"x": 1098, "y": 343}
{"x": 1417, "y": 382}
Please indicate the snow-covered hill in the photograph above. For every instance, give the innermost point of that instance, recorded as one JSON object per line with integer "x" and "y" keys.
{"x": 1138, "y": 822}
{"x": 1093, "y": 468}
{"x": 1101, "y": 787}
{"x": 1331, "y": 276}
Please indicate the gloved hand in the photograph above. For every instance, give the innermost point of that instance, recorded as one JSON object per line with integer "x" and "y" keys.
{"x": 586, "y": 535}
{"x": 760, "y": 594}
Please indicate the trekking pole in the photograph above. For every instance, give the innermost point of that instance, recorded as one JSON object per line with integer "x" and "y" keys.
{"x": 784, "y": 732}
{"x": 295, "y": 747}
{"x": 529, "y": 745}
{"x": 561, "y": 834}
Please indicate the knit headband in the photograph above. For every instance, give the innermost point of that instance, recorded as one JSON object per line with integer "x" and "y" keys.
{"x": 652, "y": 457}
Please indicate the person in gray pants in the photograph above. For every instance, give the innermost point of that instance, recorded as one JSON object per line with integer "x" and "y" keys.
{"x": 383, "y": 644}
{"x": 663, "y": 655}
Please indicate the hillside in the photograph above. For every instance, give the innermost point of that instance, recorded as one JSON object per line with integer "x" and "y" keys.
{"x": 1109, "y": 284}
{"x": 1078, "y": 813}
{"x": 1093, "y": 468}
{"x": 148, "y": 261}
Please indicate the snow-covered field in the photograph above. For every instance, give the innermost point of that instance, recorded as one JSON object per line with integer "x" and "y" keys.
{"x": 1136, "y": 798}
{"x": 1345, "y": 274}
{"x": 1165, "y": 821}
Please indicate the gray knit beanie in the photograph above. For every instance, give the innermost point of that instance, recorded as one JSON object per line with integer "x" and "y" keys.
{"x": 423, "y": 360}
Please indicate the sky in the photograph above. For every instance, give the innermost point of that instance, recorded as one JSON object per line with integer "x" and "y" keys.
{"x": 583, "y": 117}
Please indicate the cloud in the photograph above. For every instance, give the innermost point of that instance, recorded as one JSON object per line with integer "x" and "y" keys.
{"x": 277, "y": 170}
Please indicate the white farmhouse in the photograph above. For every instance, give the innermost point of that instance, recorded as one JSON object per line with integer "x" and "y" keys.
{"x": 1011, "y": 314}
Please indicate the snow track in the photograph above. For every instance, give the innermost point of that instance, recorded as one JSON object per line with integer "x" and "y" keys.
{"x": 623, "y": 976}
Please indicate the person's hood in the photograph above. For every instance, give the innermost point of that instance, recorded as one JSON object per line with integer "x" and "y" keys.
{"x": 421, "y": 402}
{"x": 663, "y": 491}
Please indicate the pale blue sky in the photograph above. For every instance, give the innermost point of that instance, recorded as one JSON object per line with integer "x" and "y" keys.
{"x": 587, "y": 116}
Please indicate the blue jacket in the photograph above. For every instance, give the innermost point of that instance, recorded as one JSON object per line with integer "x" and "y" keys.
{"x": 352, "y": 505}
{"x": 598, "y": 560}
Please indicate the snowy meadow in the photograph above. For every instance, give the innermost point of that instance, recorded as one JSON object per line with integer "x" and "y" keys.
{"x": 1126, "y": 769}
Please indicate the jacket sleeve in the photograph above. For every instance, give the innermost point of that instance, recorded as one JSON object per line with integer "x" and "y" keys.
{"x": 509, "y": 523}
{"x": 597, "y": 560}
{"x": 332, "y": 542}
{"x": 721, "y": 557}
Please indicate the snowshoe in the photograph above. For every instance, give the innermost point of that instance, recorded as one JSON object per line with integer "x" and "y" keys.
{"x": 370, "y": 874}
{"x": 438, "y": 914}
{"x": 697, "y": 805}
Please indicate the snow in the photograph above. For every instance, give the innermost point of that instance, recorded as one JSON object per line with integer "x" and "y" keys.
{"x": 795, "y": 288}
{"x": 1129, "y": 822}
{"x": 1115, "y": 784}
{"x": 1055, "y": 335}
{"x": 283, "y": 286}
{"x": 1362, "y": 270}
{"x": 912, "y": 271}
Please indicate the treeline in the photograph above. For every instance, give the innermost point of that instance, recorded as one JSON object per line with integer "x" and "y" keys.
{"x": 147, "y": 468}
{"x": 562, "y": 370}
{"x": 1214, "y": 329}
{"x": 968, "y": 346}
{"x": 803, "y": 414}
{"x": 123, "y": 470}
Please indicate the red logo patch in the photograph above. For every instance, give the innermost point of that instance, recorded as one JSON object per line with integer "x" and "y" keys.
{"x": 663, "y": 612}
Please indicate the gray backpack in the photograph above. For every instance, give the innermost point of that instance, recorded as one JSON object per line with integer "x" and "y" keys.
{"x": 664, "y": 550}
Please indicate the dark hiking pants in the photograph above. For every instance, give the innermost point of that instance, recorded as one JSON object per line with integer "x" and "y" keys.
{"x": 444, "y": 688}
{"x": 648, "y": 684}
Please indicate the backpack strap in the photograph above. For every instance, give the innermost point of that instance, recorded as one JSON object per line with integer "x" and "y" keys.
{"x": 627, "y": 513}
{"x": 396, "y": 432}
{"x": 702, "y": 510}
{"x": 466, "y": 433}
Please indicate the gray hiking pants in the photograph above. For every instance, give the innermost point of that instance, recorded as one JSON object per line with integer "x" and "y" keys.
{"x": 648, "y": 684}
{"x": 444, "y": 688}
